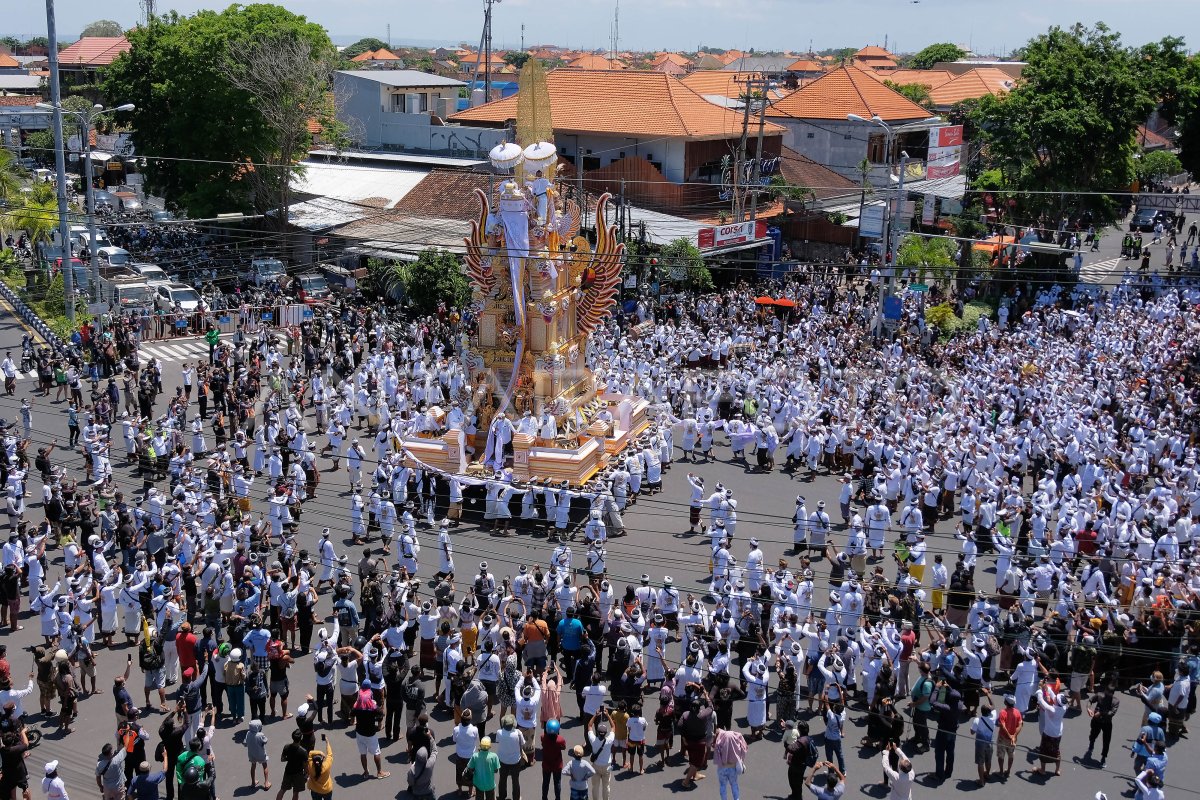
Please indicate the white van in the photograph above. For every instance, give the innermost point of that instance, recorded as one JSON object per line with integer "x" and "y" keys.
{"x": 114, "y": 256}
{"x": 151, "y": 273}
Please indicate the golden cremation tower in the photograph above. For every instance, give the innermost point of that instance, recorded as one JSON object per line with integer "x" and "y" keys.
{"x": 540, "y": 290}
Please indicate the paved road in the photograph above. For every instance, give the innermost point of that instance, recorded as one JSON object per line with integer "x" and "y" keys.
{"x": 659, "y": 544}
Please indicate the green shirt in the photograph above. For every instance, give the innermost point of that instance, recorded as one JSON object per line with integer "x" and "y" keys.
{"x": 922, "y": 693}
{"x": 486, "y": 765}
{"x": 213, "y": 336}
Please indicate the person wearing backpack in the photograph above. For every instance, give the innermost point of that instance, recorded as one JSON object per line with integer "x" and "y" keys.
{"x": 922, "y": 693}
{"x": 151, "y": 661}
{"x": 256, "y": 690}
{"x": 132, "y": 737}
{"x": 347, "y": 618}
{"x": 110, "y": 779}
{"x": 601, "y": 741}
{"x": 800, "y": 752}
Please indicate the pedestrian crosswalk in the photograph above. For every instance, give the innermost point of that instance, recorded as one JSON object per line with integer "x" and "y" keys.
{"x": 1101, "y": 272}
{"x": 191, "y": 349}
{"x": 168, "y": 350}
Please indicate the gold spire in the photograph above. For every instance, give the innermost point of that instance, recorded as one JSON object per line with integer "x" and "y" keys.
{"x": 534, "y": 123}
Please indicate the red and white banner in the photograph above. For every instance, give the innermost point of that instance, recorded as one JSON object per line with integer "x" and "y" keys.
{"x": 725, "y": 235}
{"x": 943, "y": 162}
{"x": 946, "y": 136}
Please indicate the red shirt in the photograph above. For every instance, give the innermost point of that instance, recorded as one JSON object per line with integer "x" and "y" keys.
{"x": 185, "y": 646}
{"x": 908, "y": 640}
{"x": 552, "y": 752}
{"x": 1086, "y": 541}
{"x": 1009, "y": 719}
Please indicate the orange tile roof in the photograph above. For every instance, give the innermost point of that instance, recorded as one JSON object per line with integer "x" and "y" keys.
{"x": 595, "y": 62}
{"x": 877, "y": 63}
{"x": 674, "y": 58}
{"x": 669, "y": 68}
{"x": 970, "y": 85}
{"x": 8, "y": 61}
{"x": 804, "y": 65}
{"x": 19, "y": 99}
{"x": 94, "y": 51}
{"x": 846, "y": 90}
{"x": 933, "y": 78}
{"x": 1146, "y": 138}
{"x": 872, "y": 51}
{"x": 719, "y": 82}
{"x": 709, "y": 61}
{"x": 627, "y": 102}
{"x": 382, "y": 54}
{"x": 800, "y": 170}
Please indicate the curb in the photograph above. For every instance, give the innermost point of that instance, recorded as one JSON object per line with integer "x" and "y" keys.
{"x": 31, "y": 317}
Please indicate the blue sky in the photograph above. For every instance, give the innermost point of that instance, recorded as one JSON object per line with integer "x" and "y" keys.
{"x": 988, "y": 27}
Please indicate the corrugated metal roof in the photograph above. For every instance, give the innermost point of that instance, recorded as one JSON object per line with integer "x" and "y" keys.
{"x": 401, "y": 77}
{"x": 353, "y": 183}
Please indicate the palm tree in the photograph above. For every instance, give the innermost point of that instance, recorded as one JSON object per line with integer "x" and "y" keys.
{"x": 38, "y": 218}
{"x": 10, "y": 176}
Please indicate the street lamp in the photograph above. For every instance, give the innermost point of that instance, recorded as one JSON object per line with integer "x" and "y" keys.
{"x": 889, "y": 254}
{"x": 86, "y": 117}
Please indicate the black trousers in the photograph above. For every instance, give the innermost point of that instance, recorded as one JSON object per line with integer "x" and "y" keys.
{"x": 1101, "y": 726}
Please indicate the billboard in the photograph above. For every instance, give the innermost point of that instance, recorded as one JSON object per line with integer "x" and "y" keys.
{"x": 945, "y": 152}
{"x": 870, "y": 224}
{"x": 726, "y": 235}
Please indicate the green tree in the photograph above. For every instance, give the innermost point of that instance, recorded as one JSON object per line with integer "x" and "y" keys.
{"x": 362, "y": 46}
{"x": 10, "y": 43}
{"x": 36, "y": 216}
{"x": 1158, "y": 165}
{"x": 11, "y": 175}
{"x": 516, "y": 58}
{"x": 940, "y": 51}
{"x": 684, "y": 262}
{"x": 778, "y": 189}
{"x": 103, "y": 27}
{"x": 917, "y": 92}
{"x": 1069, "y": 123}
{"x": 41, "y": 143}
{"x": 177, "y": 74}
{"x": 435, "y": 277}
{"x": 1164, "y": 67}
{"x": 1188, "y": 117}
{"x": 927, "y": 254}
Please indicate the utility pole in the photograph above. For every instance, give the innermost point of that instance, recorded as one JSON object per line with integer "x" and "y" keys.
{"x": 764, "y": 85}
{"x": 522, "y": 37}
{"x": 60, "y": 167}
{"x": 741, "y": 156}
{"x": 483, "y": 58}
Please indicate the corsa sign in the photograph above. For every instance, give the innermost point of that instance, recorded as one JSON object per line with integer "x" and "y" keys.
{"x": 724, "y": 235}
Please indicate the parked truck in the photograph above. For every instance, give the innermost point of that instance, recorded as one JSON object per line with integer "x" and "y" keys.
{"x": 123, "y": 292}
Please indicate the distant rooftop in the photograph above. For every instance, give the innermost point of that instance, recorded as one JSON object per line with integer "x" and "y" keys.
{"x": 366, "y": 156}
{"x": 401, "y": 77}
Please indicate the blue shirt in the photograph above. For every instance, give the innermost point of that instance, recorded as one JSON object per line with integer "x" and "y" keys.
{"x": 570, "y": 633}
{"x": 256, "y": 642}
{"x": 1158, "y": 763}
{"x": 145, "y": 787}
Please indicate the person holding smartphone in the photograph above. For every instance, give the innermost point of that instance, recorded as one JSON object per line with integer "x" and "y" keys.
{"x": 320, "y": 772}
{"x": 835, "y": 782}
